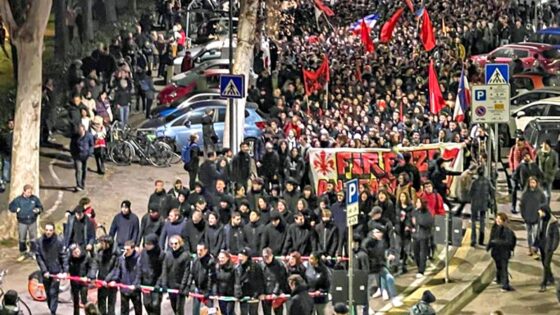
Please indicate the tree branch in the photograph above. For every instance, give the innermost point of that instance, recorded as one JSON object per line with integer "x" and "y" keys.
{"x": 8, "y": 17}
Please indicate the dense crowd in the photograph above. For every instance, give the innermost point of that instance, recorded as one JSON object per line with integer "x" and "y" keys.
{"x": 245, "y": 221}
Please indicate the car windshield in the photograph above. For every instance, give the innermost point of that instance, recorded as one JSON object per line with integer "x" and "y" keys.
{"x": 176, "y": 114}
{"x": 551, "y": 54}
{"x": 186, "y": 79}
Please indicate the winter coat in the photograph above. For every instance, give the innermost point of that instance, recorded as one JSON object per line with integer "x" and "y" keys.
{"x": 87, "y": 231}
{"x": 434, "y": 203}
{"x": 234, "y": 238}
{"x": 548, "y": 235}
{"x": 408, "y": 189}
{"x": 275, "y": 277}
{"x": 203, "y": 274}
{"x": 515, "y": 155}
{"x": 106, "y": 262}
{"x": 126, "y": 271}
{"x": 481, "y": 194}
{"x": 318, "y": 279}
{"x": 225, "y": 280}
{"x": 301, "y": 239}
{"x": 548, "y": 163}
{"x": 171, "y": 228}
{"x": 193, "y": 234}
{"x": 83, "y": 266}
{"x": 208, "y": 129}
{"x": 526, "y": 170}
{"x": 300, "y": 302}
{"x": 388, "y": 211}
{"x": 423, "y": 226}
{"x": 274, "y": 237}
{"x": 361, "y": 260}
{"x": 270, "y": 165}
{"x": 531, "y": 201}
{"x": 291, "y": 198}
{"x": 329, "y": 238}
{"x": 413, "y": 173}
{"x": 253, "y": 197}
{"x": 502, "y": 242}
{"x": 241, "y": 168}
{"x": 81, "y": 147}
{"x": 160, "y": 201}
{"x": 207, "y": 174}
{"x": 375, "y": 250}
{"x": 249, "y": 280}
{"x": 125, "y": 227}
{"x": 51, "y": 255}
{"x": 293, "y": 167}
{"x": 298, "y": 269}
{"x": 26, "y": 206}
{"x": 253, "y": 234}
{"x": 175, "y": 269}
{"x": 149, "y": 225}
{"x": 214, "y": 238}
{"x": 151, "y": 266}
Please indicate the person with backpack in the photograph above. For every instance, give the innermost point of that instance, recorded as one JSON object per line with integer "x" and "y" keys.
{"x": 190, "y": 155}
{"x": 502, "y": 243}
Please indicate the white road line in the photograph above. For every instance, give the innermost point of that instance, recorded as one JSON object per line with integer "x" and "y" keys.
{"x": 58, "y": 182}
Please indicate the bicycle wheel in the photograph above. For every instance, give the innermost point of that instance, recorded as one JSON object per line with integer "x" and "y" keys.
{"x": 121, "y": 153}
{"x": 160, "y": 154}
{"x": 175, "y": 158}
{"x": 35, "y": 287}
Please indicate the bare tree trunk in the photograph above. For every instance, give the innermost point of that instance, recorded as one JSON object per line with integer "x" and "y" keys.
{"x": 111, "y": 11}
{"x": 28, "y": 38}
{"x": 87, "y": 19}
{"x": 246, "y": 36}
{"x": 60, "y": 29}
{"x": 273, "y": 17}
{"x": 132, "y": 5}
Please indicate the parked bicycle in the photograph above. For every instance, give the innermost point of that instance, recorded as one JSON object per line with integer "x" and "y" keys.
{"x": 129, "y": 146}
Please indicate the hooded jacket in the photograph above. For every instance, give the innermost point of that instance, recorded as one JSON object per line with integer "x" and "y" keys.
{"x": 176, "y": 267}
{"x": 531, "y": 199}
{"x": 214, "y": 238}
{"x": 151, "y": 263}
{"x": 548, "y": 235}
{"x": 274, "y": 237}
{"x": 150, "y": 225}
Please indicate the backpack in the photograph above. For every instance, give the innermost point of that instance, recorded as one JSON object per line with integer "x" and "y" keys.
{"x": 186, "y": 153}
{"x": 144, "y": 85}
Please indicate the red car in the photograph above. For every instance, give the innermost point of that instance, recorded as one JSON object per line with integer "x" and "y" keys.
{"x": 547, "y": 55}
{"x": 187, "y": 82}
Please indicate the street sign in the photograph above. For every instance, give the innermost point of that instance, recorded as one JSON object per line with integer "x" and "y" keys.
{"x": 352, "y": 208}
{"x": 496, "y": 73}
{"x": 490, "y": 103}
{"x": 232, "y": 86}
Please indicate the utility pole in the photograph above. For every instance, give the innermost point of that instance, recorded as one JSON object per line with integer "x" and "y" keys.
{"x": 232, "y": 114}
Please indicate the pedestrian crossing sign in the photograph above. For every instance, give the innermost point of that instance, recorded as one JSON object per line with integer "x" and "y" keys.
{"x": 232, "y": 86}
{"x": 496, "y": 73}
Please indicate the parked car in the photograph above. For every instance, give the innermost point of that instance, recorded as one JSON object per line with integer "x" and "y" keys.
{"x": 185, "y": 101}
{"x": 528, "y": 81}
{"x": 540, "y": 129}
{"x": 549, "y": 36}
{"x": 188, "y": 82}
{"x": 217, "y": 27}
{"x": 542, "y": 109}
{"x": 547, "y": 55}
{"x": 218, "y": 49}
{"x": 180, "y": 124}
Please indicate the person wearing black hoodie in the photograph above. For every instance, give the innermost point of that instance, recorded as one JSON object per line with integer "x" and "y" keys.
{"x": 224, "y": 209}
{"x": 182, "y": 204}
{"x": 421, "y": 229}
{"x": 225, "y": 281}
{"x": 329, "y": 236}
{"x": 291, "y": 194}
{"x": 275, "y": 280}
{"x": 249, "y": 282}
{"x": 300, "y": 301}
{"x": 126, "y": 273}
{"x": 214, "y": 234}
{"x": 193, "y": 232}
{"x": 79, "y": 230}
{"x": 300, "y": 237}
{"x": 106, "y": 260}
{"x": 80, "y": 264}
{"x": 150, "y": 270}
{"x": 547, "y": 242}
{"x": 175, "y": 271}
{"x": 501, "y": 245}
{"x": 274, "y": 234}
{"x": 234, "y": 235}
{"x": 253, "y": 231}
{"x": 174, "y": 225}
{"x": 531, "y": 199}
{"x": 151, "y": 223}
{"x": 159, "y": 199}
{"x": 51, "y": 258}
{"x": 125, "y": 226}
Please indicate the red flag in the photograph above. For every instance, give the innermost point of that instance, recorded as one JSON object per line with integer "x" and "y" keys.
{"x": 409, "y": 5}
{"x": 366, "y": 39}
{"x": 389, "y": 27}
{"x": 323, "y": 7}
{"x": 316, "y": 80}
{"x": 427, "y": 32}
{"x": 436, "y": 99}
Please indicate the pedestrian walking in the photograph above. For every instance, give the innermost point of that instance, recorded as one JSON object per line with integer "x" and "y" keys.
{"x": 99, "y": 133}
{"x": 480, "y": 194}
{"x": 190, "y": 155}
{"x": 82, "y": 265}
{"x": 81, "y": 148}
{"x": 501, "y": 245}
{"x": 422, "y": 224}
{"x": 51, "y": 258}
{"x": 531, "y": 199}
{"x": 547, "y": 160}
{"x": 27, "y": 208}
{"x": 547, "y": 239}
{"x": 209, "y": 137}
{"x": 515, "y": 157}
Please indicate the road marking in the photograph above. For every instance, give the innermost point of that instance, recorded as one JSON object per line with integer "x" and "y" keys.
{"x": 60, "y": 195}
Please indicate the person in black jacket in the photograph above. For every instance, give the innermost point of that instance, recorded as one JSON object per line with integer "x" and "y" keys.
{"x": 175, "y": 273}
{"x": 421, "y": 229}
{"x": 106, "y": 260}
{"x": 80, "y": 265}
{"x": 300, "y": 301}
{"x": 275, "y": 280}
{"x": 51, "y": 258}
{"x": 202, "y": 276}
{"x": 125, "y": 226}
{"x": 150, "y": 270}
{"x": 439, "y": 177}
{"x": 241, "y": 165}
{"x": 159, "y": 199}
{"x": 207, "y": 174}
{"x": 502, "y": 243}
{"x": 269, "y": 166}
{"x": 328, "y": 235}
{"x": 405, "y": 166}
{"x": 151, "y": 223}
{"x": 300, "y": 237}
{"x": 208, "y": 133}
{"x": 295, "y": 265}
{"x": 225, "y": 282}
{"x": 234, "y": 235}
{"x": 547, "y": 242}
{"x": 318, "y": 279}
{"x": 214, "y": 234}
{"x": 79, "y": 230}
{"x": 193, "y": 232}
{"x": 194, "y": 159}
{"x": 254, "y": 231}
{"x": 274, "y": 234}
{"x": 249, "y": 282}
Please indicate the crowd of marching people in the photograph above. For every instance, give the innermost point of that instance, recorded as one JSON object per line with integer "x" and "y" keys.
{"x": 250, "y": 227}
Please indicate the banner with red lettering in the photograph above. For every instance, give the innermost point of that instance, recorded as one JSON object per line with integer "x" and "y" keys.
{"x": 373, "y": 166}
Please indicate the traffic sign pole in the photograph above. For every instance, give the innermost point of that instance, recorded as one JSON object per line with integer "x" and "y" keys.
{"x": 350, "y": 269}
{"x": 352, "y": 211}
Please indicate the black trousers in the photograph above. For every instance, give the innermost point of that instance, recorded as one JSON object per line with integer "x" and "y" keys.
{"x": 249, "y": 308}
{"x": 106, "y": 299}
{"x": 136, "y": 300}
{"x": 51, "y": 289}
{"x": 267, "y": 308}
{"x": 420, "y": 248}
{"x": 152, "y": 303}
{"x": 99, "y": 154}
{"x": 177, "y": 303}
{"x": 502, "y": 274}
{"x": 79, "y": 292}
{"x": 546, "y": 260}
